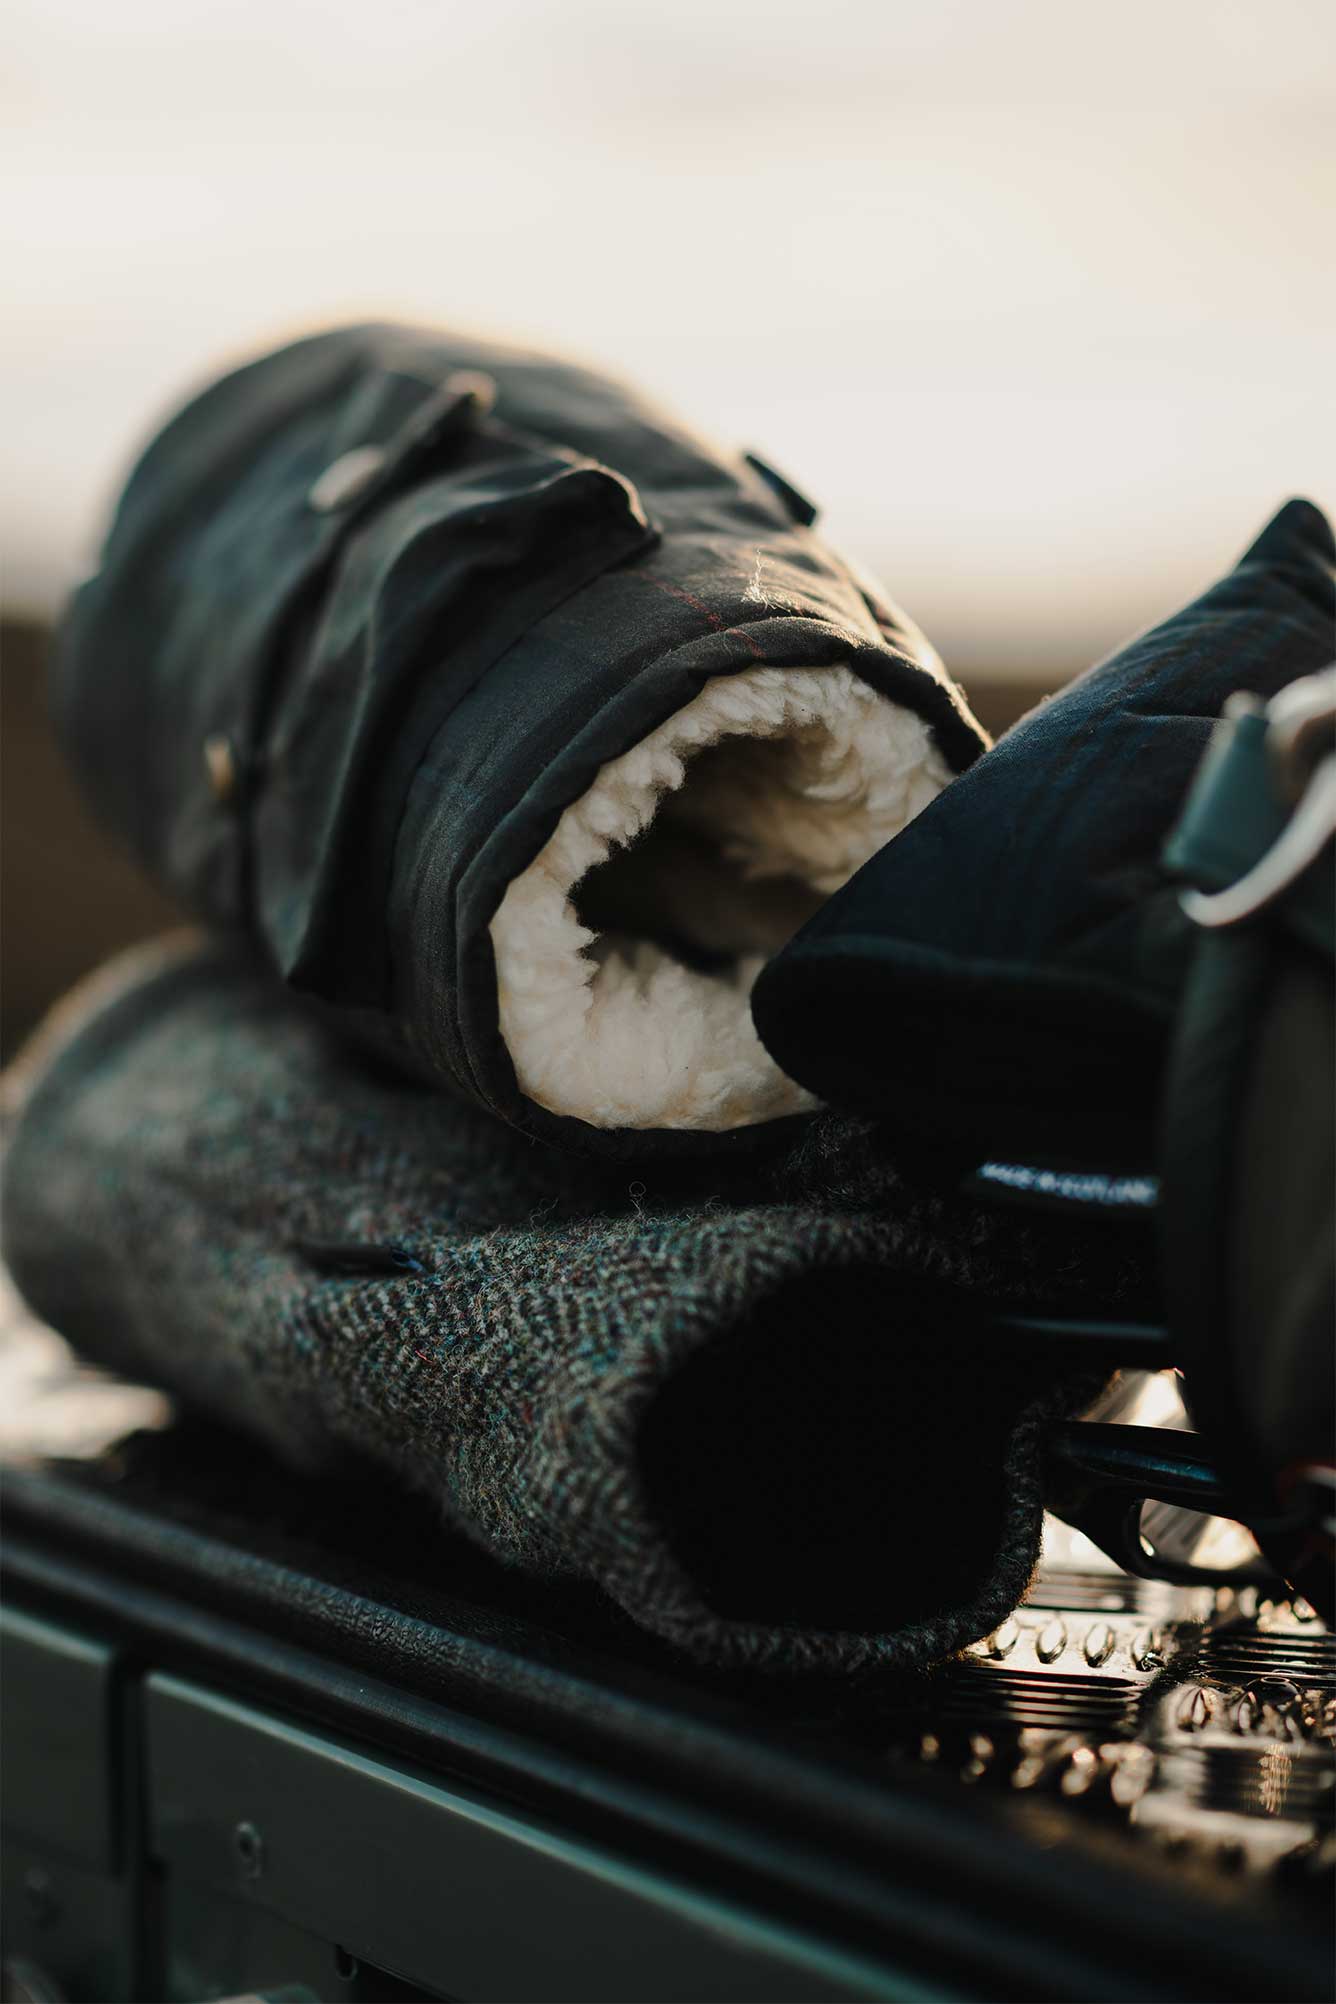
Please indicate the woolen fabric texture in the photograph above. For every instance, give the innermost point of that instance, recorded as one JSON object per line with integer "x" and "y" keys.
{"x": 750, "y": 1406}
{"x": 341, "y": 714}
{"x": 1002, "y": 976}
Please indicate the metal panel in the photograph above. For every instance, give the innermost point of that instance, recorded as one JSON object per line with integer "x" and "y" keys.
{"x": 444, "y": 1889}
{"x": 214, "y": 1945}
{"x": 75, "y": 1926}
{"x": 56, "y": 1746}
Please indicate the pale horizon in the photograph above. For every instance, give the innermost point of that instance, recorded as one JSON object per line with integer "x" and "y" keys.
{"x": 1047, "y": 335}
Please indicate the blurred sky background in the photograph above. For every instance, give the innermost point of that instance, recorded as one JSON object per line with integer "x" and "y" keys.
{"x": 1036, "y": 299}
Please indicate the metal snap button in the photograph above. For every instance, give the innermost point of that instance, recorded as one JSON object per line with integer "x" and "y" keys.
{"x": 348, "y": 477}
{"x": 475, "y": 383}
{"x": 220, "y": 763}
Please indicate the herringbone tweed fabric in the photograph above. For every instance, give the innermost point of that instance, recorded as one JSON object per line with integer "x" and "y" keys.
{"x": 752, "y": 1412}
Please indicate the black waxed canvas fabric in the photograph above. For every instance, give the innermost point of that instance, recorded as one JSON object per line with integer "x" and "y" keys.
{"x": 752, "y": 1407}
{"x": 409, "y": 687}
{"x": 1001, "y": 978}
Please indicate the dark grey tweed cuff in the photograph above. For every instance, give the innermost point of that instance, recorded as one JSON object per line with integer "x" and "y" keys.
{"x": 744, "y": 1409}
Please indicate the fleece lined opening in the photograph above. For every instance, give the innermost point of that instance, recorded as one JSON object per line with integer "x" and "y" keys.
{"x": 626, "y": 952}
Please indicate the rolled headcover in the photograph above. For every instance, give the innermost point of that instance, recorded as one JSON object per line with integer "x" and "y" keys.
{"x": 365, "y": 626}
{"x": 1001, "y": 978}
{"x": 720, "y": 1401}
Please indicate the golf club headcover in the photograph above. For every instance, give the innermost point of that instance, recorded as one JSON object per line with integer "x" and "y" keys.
{"x": 512, "y": 721}
{"x": 753, "y": 1408}
{"x": 1001, "y": 978}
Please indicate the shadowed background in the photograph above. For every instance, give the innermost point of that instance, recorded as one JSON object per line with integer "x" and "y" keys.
{"x": 1037, "y": 301}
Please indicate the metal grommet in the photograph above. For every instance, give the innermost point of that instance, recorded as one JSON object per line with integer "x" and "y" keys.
{"x": 475, "y": 383}
{"x": 1050, "y": 1641}
{"x": 248, "y": 1849}
{"x": 40, "y": 1896}
{"x": 348, "y": 477}
{"x": 220, "y": 762}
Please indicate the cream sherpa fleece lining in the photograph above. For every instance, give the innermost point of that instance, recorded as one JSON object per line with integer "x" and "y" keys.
{"x": 626, "y": 952}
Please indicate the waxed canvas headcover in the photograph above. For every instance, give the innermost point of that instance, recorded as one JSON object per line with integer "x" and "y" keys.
{"x": 342, "y": 713}
{"x": 1001, "y": 978}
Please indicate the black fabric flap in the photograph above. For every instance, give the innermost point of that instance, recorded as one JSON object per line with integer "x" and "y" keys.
{"x": 232, "y": 532}
{"x": 424, "y": 598}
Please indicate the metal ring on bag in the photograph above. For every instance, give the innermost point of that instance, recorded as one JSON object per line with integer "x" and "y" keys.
{"x": 1299, "y": 722}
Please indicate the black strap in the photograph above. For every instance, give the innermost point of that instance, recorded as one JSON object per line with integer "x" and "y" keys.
{"x": 1249, "y": 952}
